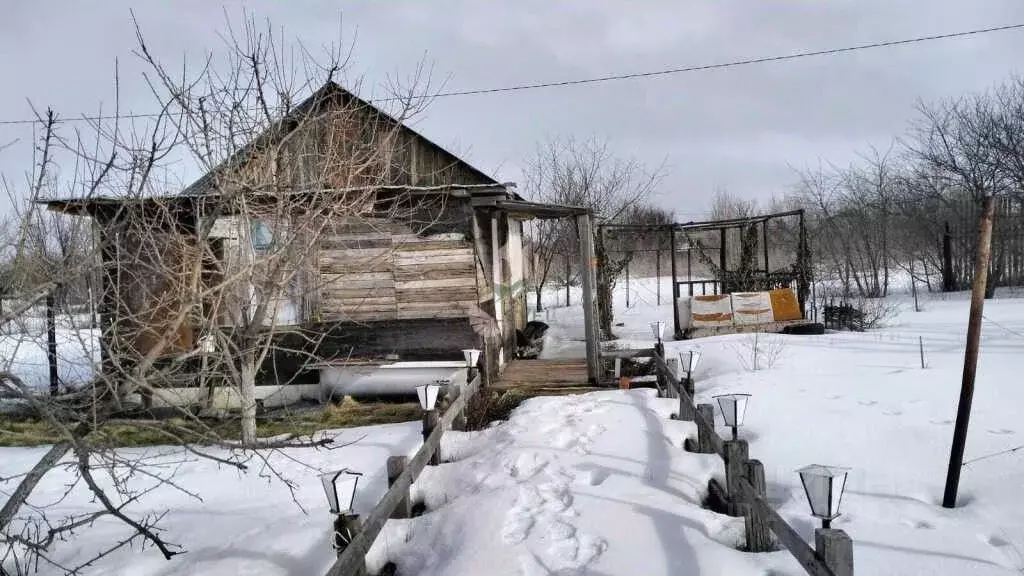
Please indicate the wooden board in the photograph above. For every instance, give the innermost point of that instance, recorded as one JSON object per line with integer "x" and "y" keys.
{"x": 555, "y": 373}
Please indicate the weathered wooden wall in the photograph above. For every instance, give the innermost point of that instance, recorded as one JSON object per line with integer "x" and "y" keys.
{"x": 375, "y": 270}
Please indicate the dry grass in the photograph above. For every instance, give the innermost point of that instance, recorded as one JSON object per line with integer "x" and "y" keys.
{"x": 349, "y": 413}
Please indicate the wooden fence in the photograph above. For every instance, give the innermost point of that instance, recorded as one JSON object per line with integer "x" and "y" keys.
{"x": 744, "y": 493}
{"x": 401, "y": 474}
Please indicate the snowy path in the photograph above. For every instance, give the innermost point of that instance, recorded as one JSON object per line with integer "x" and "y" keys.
{"x": 590, "y": 484}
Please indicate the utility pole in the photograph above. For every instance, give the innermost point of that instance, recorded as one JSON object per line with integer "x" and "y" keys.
{"x": 963, "y": 413}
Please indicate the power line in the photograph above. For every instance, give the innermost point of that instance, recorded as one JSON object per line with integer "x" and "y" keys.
{"x": 634, "y": 75}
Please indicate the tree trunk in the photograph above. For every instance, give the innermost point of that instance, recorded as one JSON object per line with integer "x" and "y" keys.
{"x": 539, "y": 289}
{"x": 247, "y": 394}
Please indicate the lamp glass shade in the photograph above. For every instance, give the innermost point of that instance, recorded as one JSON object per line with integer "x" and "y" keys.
{"x": 658, "y": 329}
{"x": 690, "y": 360}
{"x": 327, "y": 479}
{"x": 733, "y": 407}
{"x": 427, "y": 394}
{"x": 824, "y": 486}
{"x": 345, "y": 487}
{"x": 472, "y": 356}
{"x": 340, "y": 488}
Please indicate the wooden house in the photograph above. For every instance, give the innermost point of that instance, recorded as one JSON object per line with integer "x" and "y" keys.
{"x": 422, "y": 283}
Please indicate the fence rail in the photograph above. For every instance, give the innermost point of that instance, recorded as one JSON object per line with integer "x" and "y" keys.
{"x": 745, "y": 492}
{"x": 352, "y": 560}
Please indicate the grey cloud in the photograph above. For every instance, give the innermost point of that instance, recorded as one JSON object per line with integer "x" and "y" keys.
{"x": 738, "y": 129}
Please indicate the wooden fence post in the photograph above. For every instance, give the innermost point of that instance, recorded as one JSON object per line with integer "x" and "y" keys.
{"x": 836, "y": 549}
{"x": 736, "y": 455}
{"x": 704, "y": 445}
{"x": 759, "y": 534}
{"x": 430, "y": 419}
{"x": 397, "y": 465}
{"x": 673, "y": 368}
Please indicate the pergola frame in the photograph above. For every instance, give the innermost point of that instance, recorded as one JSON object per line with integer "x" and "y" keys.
{"x": 537, "y": 211}
{"x": 802, "y": 250}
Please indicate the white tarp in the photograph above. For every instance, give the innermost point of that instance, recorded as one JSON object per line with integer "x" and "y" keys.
{"x": 751, "y": 308}
{"x": 712, "y": 311}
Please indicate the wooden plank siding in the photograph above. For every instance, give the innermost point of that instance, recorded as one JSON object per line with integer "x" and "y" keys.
{"x": 374, "y": 273}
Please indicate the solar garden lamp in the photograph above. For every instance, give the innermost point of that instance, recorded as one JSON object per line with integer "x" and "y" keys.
{"x": 427, "y": 394}
{"x": 472, "y": 356}
{"x": 689, "y": 364}
{"x": 824, "y": 486}
{"x": 340, "y": 488}
{"x": 734, "y": 410}
{"x": 658, "y": 330}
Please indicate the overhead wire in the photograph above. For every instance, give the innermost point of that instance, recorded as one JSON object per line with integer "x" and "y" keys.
{"x": 624, "y": 76}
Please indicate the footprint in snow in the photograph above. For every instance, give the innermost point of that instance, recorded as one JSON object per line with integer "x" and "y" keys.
{"x": 942, "y": 422}
{"x": 919, "y": 524}
{"x": 867, "y": 402}
{"x": 995, "y": 541}
{"x": 591, "y": 476}
{"x": 1001, "y": 431}
{"x": 893, "y": 413}
{"x": 525, "y": 466}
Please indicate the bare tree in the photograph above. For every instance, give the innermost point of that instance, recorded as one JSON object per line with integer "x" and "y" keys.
{"x": 585, "y": 173}
{"x": 203, "y": 287}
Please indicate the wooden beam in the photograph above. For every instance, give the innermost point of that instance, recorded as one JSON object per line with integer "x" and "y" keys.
{"x": 801, "y": 550}
{"x": 589, "y": 309}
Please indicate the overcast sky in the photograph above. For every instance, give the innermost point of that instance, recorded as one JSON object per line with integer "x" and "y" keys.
{"x": 740, "y": 129}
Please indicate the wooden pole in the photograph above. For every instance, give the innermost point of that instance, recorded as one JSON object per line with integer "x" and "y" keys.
{"x": 430, "y": 419}
{"x": 736, "y": 455}
{"x": 759, "y": 532}
{"x": 627, "y": 284}
{"x": 674, "y": 370}
{"x": 689, "y": 268}
{"x": 764, "y": 243}
{"x": 657, "y": 273}
{"x": 587, "y": 270}
{"x": 913, "y": 286}
{"x": 568, "y": 271}
{"x": 948, "y": 283}
{"x": 706, "y": 413}
{"x": 397, "y": 465}
{"x": 836, "y": 549}
{"x": 675, "y": 282}
{"x": 723, "y": 259}
{"x": 51, "y": 344}
{"x": 963, "y": 413}
{"x": 920, "y": 342}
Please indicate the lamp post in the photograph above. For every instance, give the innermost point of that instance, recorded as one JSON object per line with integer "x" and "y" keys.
{"x": 472, "y": 357}
{"x": 658, "y": 330}
{"x": 734, "y": 410}
{"x": 340, "y": 488}
{"x": 427, "y": 394}
{"x": 824, "y": 486}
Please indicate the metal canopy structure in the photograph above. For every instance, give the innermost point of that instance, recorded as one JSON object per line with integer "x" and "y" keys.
{"x": 762, "y": 277}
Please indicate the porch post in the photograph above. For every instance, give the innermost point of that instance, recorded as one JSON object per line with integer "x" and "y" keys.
{"x": 587, "y": 271}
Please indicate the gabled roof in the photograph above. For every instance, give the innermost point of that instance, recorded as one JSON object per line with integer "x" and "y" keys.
{"x": 330, "y": 93}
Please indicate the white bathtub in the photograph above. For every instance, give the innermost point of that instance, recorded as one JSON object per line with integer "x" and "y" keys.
{"x": 393, "y": 379}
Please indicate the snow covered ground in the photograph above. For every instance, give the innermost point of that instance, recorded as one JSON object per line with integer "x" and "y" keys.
{"x": 245, "y": 523}
{"x": 599, "y": 484}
